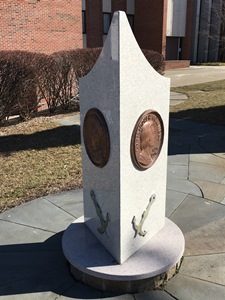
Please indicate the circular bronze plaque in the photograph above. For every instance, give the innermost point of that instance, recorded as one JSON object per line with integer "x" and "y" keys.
{"x": 147, "y": 139}
{"x": 96, "y": 137}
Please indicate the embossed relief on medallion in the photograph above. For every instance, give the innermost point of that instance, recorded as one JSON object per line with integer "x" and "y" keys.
{"x": 147, "y": 139}
{"x": 96, "y": 137}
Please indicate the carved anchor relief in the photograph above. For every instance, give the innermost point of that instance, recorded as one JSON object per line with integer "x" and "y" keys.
{"x": 138, "y": 228}
{"x": 104, "y": 222}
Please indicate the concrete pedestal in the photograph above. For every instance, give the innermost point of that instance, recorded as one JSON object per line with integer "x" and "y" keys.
{"x": 92, "y": 264}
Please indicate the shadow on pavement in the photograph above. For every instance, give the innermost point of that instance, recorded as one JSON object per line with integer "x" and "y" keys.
{"x": 39, "y": 267}
{"x": 57, "y": 137}
{"x": 188, "y": 137}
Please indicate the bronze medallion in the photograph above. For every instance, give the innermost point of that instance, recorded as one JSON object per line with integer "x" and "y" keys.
{"x": 147, "y": 139}
{"x": 96, "y": 137}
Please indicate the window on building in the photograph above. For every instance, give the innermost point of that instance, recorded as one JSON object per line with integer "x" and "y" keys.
{"x": 106, "y": 22}
{"x": 84, "y": 22}
{"x": 131, "y": 21}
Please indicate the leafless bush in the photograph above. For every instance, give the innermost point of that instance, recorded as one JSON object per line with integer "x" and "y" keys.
{"x": 16, "y": 85}
{"x": 155, "y": 59}
{"x": 27, "y": 77}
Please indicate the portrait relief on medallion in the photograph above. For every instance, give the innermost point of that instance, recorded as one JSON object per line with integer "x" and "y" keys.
{"x": 147, "y": 139}
{"x": 96, "y": 137}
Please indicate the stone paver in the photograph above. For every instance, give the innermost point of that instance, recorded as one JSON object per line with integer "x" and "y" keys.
{"x": 207, "y": 267}
{"x": 154, "y": 295}
{"x": 206, "y": 172}
{"x": 70, "y": 120}
{"x": 80, "y": 291}
{"x": 211, "y": 190}
{"x": 33, "y": 296}
{"x": 178, "y": 159}
{"x": 36, "y": 214}
{"x": 16, "y": 234}
{"x": 177, "y": 98}
{"x": 183, "y": 186}
{"x": 186, "y": 288}
{"x": 209, "y": 159}
{"x": 202, "y": 223}
{"x": 33, "y": 266}
{"x": 177, "y": 171}
{"x": 173, "y": 200}
{"x": 70, "y": 201}
{"x": 195, "y": 75}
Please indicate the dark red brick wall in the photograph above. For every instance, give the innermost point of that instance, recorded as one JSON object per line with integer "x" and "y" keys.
{"x": 176, "y": 64}
{"x": 150, "y": 24}
{"x": 119, "y": 5}
{"x": 187, "y": 40}
{"x": 94, "y": 23}
{"x": 40, "y": 25}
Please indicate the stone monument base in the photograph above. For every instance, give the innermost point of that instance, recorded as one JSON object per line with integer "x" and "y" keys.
{"x": 146, "y": 269}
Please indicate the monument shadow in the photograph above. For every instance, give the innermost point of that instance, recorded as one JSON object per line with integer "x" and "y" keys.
{"x": 57, "y": 137}
{"x": 38, "y": 268}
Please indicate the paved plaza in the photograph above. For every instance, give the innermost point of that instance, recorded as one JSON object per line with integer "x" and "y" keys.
{"x": 31, "y": 260}
{"x": 195, "y": 75}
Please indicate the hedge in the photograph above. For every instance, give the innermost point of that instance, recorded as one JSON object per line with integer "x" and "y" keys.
{"x": 27, "y": 77}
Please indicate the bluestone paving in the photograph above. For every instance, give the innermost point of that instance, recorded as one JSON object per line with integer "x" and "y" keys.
{"x": 70, "y": 201}
{"x": 33, "y": 272}
{"x": 206, "y": 267}
{"x": 184, "y": 186}
{"x": 47, "y": 216}
{"x": 220, "y": 155}
{"x": 177, "y": 98}
{"x": 33, "y": 266}
{"x": 70, "y": 120}
{"x": 79, "y": 291}
{"x": 191, "y": 213}
{"x": 206, "y": 172}
{"x": 202, "y": 223}
{"x": 187, "y": 288}
{"x": 33, "y": 296}
{"x": 177, "y": 171}
{"x": 154, "y": 295}
{"x": 16, "y": 234}
{"x": 173, "y": 200}
{"x": 178, "y": 159}
{"x": 209, "y": 159}
{"x": 195, "y": 75}
{"x": 211, "y": 190}
{"x": 214, "y": 143}
{"x": 207, "y": 239}
{"x": 64, "y": 197}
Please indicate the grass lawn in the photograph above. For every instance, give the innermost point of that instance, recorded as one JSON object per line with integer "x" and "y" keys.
{"x": 206, "y": 103}
{"x": 38, "y": 157}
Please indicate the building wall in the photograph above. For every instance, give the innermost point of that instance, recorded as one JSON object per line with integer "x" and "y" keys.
{"x": 187, "y": 39}
{"x": 98, "y": 15}
{"x": 94, "y": 23}
{"x": 151, "y": 24}
{"x": 40, "y": 25}
{"x": 119, "y": 5}
{"x": 176, "y": 18}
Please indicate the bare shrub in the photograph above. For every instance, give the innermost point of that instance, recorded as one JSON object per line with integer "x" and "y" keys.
{"x": 155, "y": 59}
{"x": 18, "y": 83}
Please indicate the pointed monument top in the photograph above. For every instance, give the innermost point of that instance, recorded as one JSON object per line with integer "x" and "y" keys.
{"x": 120, "y": 45}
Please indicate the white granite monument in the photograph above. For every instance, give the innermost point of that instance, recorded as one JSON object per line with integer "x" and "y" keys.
{"x": 124, "y": 128}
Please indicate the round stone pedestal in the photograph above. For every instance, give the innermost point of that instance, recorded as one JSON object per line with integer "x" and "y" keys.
{"x": 92, "y": 264}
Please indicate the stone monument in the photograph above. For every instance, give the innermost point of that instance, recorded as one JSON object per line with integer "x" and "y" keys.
{"x": 124, "y": 238}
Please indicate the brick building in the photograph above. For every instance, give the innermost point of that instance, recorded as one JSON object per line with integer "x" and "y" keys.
{"x": 181, "y": 30}
{"x": 160, "y": 25}
{"x": 40, "y": 25}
